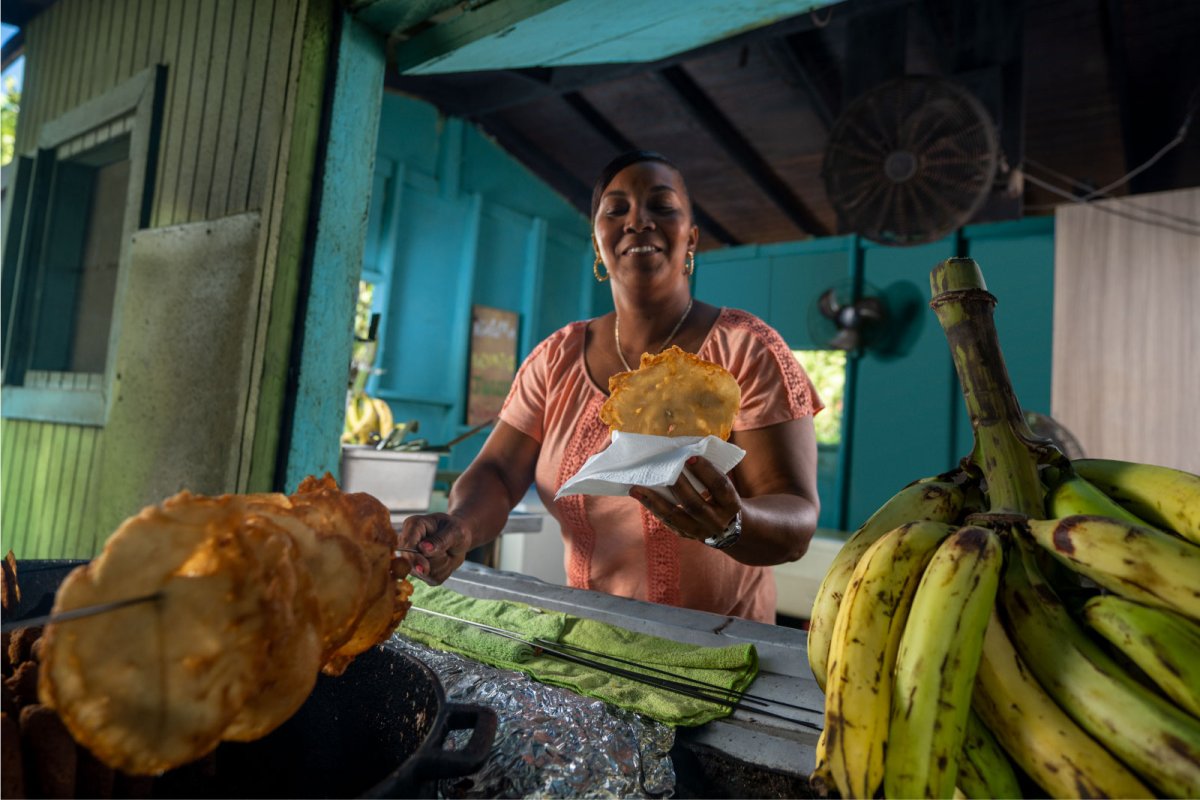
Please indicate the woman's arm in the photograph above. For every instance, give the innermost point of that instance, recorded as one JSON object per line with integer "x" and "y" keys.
{"x": 480, "y": 500}
{"x": 774, "y": 487}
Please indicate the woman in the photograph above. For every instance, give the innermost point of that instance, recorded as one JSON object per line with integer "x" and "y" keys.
{"x": 711, "y": 550}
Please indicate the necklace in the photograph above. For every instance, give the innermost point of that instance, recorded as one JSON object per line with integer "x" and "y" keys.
{"x": 670, "y": 336}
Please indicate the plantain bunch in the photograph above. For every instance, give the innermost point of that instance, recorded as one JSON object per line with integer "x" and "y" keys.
{"x": 1025, "y": 625}
{"x": 368, "y": 419}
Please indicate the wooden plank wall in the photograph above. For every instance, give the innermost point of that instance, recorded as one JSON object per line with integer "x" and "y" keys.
{"x": 227, "y": 70}
{"x": 231, "y": 82}
{"x": 1126, "y": 371}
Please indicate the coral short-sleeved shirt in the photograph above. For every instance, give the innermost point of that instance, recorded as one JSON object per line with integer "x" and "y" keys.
{"x": 613, "y": 544}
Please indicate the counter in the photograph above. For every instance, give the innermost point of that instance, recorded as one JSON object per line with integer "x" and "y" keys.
{"x": 747, "y": 737}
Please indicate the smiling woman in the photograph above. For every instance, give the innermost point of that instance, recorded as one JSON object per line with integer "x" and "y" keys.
{"x": 709, "y": 549}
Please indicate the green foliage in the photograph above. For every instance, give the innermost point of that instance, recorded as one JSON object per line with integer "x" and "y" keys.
{"x": 10, "y": 106}
{"x": 827, "y": 370}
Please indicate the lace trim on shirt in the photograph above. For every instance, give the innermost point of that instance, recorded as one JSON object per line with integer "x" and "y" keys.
{"x": 800, "y": 390}
{"x": 588, "y": 438}
{"x": 662, "y": 561}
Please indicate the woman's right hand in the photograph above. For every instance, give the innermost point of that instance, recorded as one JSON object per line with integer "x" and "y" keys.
{"x": 442, "y": 542}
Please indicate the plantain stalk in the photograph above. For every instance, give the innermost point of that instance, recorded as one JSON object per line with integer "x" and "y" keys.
{"x": 1005, "y": 448}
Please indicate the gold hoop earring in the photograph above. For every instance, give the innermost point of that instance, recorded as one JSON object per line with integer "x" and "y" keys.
{"x": 596, "y": 269}
{"x": 690, "y": 266}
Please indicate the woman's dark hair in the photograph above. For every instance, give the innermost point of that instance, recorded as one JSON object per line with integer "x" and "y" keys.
{"x": 621, "y": 162}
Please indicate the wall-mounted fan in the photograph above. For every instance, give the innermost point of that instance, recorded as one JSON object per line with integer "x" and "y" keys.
{"x": 886, "y": 322}
{"x": 838, "y": 321}
{"x": 910, "y": 161}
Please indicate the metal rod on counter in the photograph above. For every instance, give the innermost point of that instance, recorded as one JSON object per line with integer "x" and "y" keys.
{"x": 731, "y": 698}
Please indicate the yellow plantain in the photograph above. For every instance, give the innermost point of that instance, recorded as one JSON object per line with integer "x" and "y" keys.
{"x": 1157, "y": 740}
{"x": 1168, "y": 498}
{"x": 936, "y": 499}
{"x": 1043, "y": 741}
{"x": 936, "y": 663}
{"x": 1165, "y": 645}
{"x": 1143, "y": 564}
{"x": 866, "y": 636}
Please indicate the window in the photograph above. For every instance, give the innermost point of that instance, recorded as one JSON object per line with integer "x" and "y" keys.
{"x": 76, "y": 202}
{"x": 827, "y": 370}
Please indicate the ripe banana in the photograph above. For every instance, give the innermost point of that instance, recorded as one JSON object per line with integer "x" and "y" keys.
{"x": 1076, "y": 495}
{"x": 386, "y": 422}
{"x": 1157, "y": 740}
{"x": 866, "y": 636}
{"x": 1165, "y": 645}
{"x": 1168, "y": 498}
{"x": 1140, "y": 563}
{"x": 936, "y": 663}
{"x": 1043, "y": 741}
{"x": 938, "y": 499}
{"x": 984, "y": 770}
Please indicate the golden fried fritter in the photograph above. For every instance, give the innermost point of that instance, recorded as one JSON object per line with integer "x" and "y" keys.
{"x": 256, "y": 594}
{"x": 673, "y": 393}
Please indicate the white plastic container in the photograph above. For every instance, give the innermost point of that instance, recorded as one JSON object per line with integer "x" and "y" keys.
{"x": 403, "y": 481}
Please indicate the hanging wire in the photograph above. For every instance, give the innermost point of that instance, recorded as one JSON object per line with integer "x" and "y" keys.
{"x": 1187, "y": 226}
{"x": 1106, "y": 209}
{"x": 1124, "y": 201}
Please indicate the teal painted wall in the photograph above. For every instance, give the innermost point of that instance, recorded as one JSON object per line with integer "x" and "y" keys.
{"x": 455, "y": 221}
{"x": 905, "y": 416}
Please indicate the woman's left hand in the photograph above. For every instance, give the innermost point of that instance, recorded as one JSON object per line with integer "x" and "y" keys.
{"x": 695, "y": 515}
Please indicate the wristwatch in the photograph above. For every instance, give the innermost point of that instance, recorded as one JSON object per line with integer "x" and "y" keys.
{"x": 727, "y": 537}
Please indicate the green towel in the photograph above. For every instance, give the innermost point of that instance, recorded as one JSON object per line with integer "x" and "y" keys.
{"x": 733, "y": 667}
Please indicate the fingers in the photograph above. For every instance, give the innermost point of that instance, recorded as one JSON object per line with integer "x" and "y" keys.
{"x": 696, "y": 513}
{"x": 440, "y": 542}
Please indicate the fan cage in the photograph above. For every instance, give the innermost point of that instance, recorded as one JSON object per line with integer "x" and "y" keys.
{"x": 910, "y": 161}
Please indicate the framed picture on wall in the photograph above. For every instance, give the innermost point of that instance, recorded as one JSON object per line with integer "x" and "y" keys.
{"x": 493, "y": 361}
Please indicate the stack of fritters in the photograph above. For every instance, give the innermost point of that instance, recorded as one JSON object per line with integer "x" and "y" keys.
{"x": 256, "y": 595}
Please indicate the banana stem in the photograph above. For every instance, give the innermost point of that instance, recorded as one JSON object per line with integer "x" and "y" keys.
{"x": 1005, "y": 448}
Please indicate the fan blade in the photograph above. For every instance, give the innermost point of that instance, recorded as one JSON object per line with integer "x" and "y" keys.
{"x": 828, "y": 305}
{"x": 846, "y": 339}
{"x": 871, "y": 309}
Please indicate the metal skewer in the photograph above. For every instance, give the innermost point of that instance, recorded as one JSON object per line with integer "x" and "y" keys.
{"x": 98, "y": 608}
{"x": 697, "y": 690}
{"x": 77, "y": 613}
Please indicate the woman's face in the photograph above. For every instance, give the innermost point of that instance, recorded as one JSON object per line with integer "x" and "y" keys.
{"x": 643, "y": 226}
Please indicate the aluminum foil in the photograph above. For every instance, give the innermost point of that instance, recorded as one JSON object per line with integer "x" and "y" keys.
{"x": 550, "y": 742}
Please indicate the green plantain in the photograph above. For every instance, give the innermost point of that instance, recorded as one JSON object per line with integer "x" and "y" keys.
{"x": 1165, "y": 645}
{"x": 1166, "y": 497}
{"x": 1157, "y": 740}
{"x": 866, "y": 636}
{"x": 1143, "y": 564}
{"x": 937, "y": 499}
{"x": 1039, "y": 736}
{"x": 936, "y": 663}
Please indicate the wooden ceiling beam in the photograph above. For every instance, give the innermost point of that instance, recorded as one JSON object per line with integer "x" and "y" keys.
{"x": 802, "y": 59}
{"x": 741, "y": 150}
{"x": 556, "y": 175}
{"x": 602, "y": 126}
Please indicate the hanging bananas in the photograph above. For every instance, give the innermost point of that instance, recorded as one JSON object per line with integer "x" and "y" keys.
{"x": 368, "y": 419}
{"x": 1030, "y": 624}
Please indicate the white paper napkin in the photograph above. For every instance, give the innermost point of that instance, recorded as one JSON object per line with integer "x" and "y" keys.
{"x": 638, "y": 459}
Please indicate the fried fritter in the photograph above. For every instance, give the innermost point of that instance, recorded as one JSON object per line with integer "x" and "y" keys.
{"x": 154, "y": 685}
{"x": 673, "y": 393}
{"x": 255, "y": 594}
